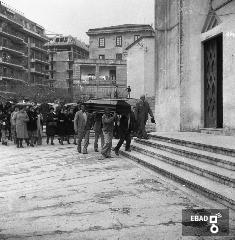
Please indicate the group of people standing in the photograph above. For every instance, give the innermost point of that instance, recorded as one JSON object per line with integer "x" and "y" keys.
{"x": 66, "y": 123}
{"x": 18, "y": 124}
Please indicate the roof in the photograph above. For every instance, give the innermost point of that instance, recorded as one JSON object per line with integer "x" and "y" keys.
{"x": 138, "y": 40}
{"x": 67, "y": 40}
{"x": 120, "y": 28}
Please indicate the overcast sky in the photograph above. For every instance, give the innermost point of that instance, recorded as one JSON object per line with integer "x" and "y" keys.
{"x": 75, "y": 17}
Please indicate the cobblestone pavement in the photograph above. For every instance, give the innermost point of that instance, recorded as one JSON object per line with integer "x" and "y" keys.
{"x": 52, "y": 192}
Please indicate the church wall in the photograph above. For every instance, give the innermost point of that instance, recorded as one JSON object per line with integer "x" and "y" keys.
{"x": 191, "y": 91}
{"x": 167, "y": 108}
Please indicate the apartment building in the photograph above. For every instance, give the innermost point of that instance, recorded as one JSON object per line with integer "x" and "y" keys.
{"x": 111, "y": 42}
{"x": 106, "y": 68}
{"x": 23, "y": 60}
{"x": 63, "y": 51}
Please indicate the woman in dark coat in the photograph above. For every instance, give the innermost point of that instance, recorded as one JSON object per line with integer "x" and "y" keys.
{"x": 51, "y": 122}
{"x": 61, "y": 126}
{"x": 32, "y": 125}
{"x": 69, "y": 124}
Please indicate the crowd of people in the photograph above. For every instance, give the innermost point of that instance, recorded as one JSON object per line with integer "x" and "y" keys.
{"x": 22, "y": 123}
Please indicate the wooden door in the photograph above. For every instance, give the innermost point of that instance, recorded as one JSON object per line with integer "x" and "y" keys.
{"x": 213, "y": 98}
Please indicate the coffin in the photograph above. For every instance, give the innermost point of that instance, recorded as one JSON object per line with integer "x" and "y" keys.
{"x": 120, "y": 106}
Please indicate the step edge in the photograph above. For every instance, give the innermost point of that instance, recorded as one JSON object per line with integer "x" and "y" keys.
{"x": 232, "y": 180}
{"x": 194, "y": 143}
{"x": 216, "y": 194}
{"x": 187, "y": 152}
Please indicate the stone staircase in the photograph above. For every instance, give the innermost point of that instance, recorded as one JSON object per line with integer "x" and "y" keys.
{"x": 201, "y": 166}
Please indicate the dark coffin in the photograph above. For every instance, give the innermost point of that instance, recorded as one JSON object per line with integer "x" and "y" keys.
{"x": 119, "y": 106}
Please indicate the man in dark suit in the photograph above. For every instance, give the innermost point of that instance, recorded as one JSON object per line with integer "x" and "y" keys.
{"x": 126, "y": 127}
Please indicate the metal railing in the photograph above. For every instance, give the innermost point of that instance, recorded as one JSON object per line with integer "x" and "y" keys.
{"x": 12, "y": 61}
{"x": 15, "y": 34}
{"x": 13, "y": 47}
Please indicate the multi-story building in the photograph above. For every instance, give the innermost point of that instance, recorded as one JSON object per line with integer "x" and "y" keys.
{"x": 23, "y": 60}
{"x": 63, "y": 51}
{"x": 106, "y": 68}
{"x": 111, "y": 42}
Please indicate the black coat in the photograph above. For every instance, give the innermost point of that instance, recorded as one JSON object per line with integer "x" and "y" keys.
{"x": 69, "y": 124}
{"x": 61, "y": 124}
{"x": 32, "y": 123}
{"x": 51, "y": 124}
{"x": 123, "y": 126}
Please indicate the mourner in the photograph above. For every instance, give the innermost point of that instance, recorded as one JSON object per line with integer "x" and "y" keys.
{"x": 70, "y": 125}
{"x": 61, "y": 125}
{"x": 13, "y": 124}
{"x": 108, "y": 126}
{"x": 82, "y": 127}
{"x": 21, "y": 118}
{"x": 32, "y": 125}
{"x": 126, "y": 127}
{"x": 142, "y": 111}
{"x": 98, "y": 130}
{"x": 3, "y": 127}
{"x": 39, "y": 126}
{"x": 51, "y": 123}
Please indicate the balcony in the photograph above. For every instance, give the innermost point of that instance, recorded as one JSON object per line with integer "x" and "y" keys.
{"x": 9, "y": 77}
{"x": 35, "y": 34}
{"x": 12, "y": 19}
{"x": 38, "y": 47}
{"x": 98, "y": 81}
{"x": 12, "y": 63}
{"x": 38, "y": 71}
{"x": 42, "y": 61}
{"x": 13, "y": 50}
{"x": 12, "y": 35}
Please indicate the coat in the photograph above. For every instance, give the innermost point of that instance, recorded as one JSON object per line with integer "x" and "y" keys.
{"x": 39, "y": 124}
{"x": 32, "y": 123}
{"x": 97, "y": 123}
{"x": 142, "y": 110}
{"x": 79, "y": 122}
{"x": 21, "y": 119}
{"x": 51, "y": 124}
{"x": 69, "y": 124}
{"x": 124, "y": 128}
{"x": 61, "y": 124}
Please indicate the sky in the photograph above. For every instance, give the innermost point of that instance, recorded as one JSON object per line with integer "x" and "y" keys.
{"x": 75, "y": 17}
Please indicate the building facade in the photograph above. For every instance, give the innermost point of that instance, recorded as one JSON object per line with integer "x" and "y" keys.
{"x": 140, "y": 67}
{"x": 106, "y": 69}
{"x": 63, "y": 51}
{"x": 111, "y": 42}
{"x": 23, "y": 60}
{"x": 195, "y": 49}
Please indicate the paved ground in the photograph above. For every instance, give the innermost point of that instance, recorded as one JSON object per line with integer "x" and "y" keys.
{"x": 52, "y": 192}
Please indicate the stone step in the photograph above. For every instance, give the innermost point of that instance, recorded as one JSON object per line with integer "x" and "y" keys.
{"x": 214, "y": 190}
{"x": 212, "y": 172}
{"x": 216, "y": 159}
{"x": 195, "y": 144}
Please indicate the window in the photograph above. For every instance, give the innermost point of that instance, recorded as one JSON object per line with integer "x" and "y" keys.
{"x": 119, "y": 56}
{"x": 102, "y": 57}
{"x": 119, "y": 41}
{"x": 136, "y": 37}
{"x": 101, "y": 42}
